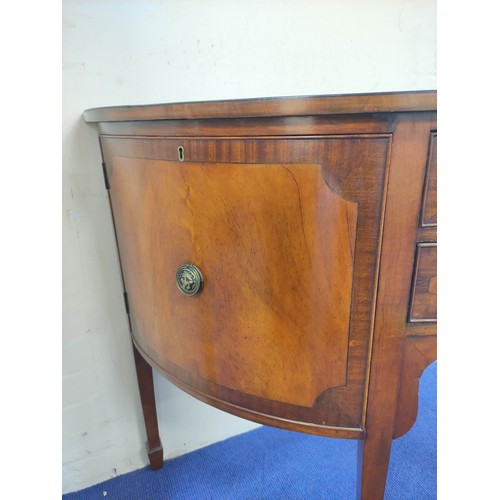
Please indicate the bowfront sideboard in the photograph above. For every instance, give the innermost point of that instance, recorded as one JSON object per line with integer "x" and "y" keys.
{"x": 279, "y": 258}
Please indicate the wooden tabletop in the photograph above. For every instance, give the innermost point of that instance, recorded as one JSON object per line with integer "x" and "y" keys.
{"x": 383, "y": 102}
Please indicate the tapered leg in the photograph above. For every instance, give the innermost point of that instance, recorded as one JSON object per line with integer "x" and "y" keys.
{"x": 146, "y": 390}
{"x": 373, "y": 462}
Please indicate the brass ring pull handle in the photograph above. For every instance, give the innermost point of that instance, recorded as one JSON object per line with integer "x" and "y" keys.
{"x": 189, "y": 279}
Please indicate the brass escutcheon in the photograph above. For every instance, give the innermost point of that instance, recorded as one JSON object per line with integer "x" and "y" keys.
{"x": 189, "y": 279}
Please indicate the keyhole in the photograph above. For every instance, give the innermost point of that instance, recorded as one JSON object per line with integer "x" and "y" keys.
{"x": 180, "y": 151}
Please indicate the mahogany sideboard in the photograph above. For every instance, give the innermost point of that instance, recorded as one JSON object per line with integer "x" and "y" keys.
{"x": 279, "y": 258}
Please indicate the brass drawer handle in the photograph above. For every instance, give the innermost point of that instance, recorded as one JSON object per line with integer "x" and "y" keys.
{"x": 189, "y": 279}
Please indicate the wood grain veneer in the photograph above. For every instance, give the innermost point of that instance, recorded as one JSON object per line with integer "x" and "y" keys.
{"x": 423, "y": 302}
{"x": 429, "y": 202}
{"x": 304, "y": 215}
{"x": 277, "y": 106}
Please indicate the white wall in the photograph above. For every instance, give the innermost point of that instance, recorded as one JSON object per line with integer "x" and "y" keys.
{"x": 142, "y": 52}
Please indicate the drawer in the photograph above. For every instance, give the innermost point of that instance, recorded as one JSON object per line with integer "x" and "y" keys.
{"x": 423, "y": 300}
{"x": 428, "y": 215}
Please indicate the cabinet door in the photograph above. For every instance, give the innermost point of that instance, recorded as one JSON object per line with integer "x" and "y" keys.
{"x": 286, "y": 233}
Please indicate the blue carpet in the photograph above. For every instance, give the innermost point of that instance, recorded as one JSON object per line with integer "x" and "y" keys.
{"x": 269, "y": 463}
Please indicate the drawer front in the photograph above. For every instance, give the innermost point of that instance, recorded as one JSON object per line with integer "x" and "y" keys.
{"x": 423, "y": 301}
{"x": 286, "y": 233}
{"x": 429, "y": 201}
